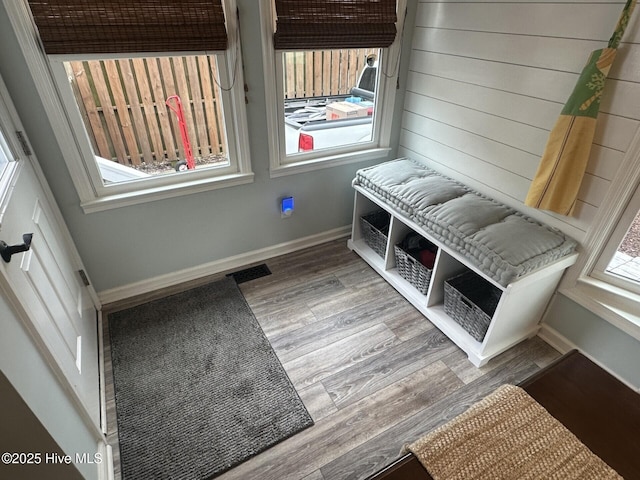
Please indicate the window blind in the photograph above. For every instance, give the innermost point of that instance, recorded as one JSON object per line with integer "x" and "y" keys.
{"x": 127, "y": 26}
{"x": 326, "y": 24}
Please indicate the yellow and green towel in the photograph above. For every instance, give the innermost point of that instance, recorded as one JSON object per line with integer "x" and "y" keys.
{"x": 564, "y": 161}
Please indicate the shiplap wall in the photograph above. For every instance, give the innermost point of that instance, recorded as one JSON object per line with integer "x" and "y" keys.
{"x": 487, "y": 81}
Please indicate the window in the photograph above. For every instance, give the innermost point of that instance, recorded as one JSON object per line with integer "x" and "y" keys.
{"x": 148, "y": 117}
{"x": 333, "y": 91}
{"x": 606, "y": 277}
{"x": 5, "y": 155}
{"x": 10, "y": 152}
{"x": 136, "y": 126}
{"x": 328, "y": 99}
{"x": 619, "y": 263}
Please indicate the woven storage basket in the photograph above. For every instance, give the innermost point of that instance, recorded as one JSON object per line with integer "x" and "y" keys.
{"x": 375, "y": 228}
{"x": 471, "y": 301}
{"x": 412, "y": 270}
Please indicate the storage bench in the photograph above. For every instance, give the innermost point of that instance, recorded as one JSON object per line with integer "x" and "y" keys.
{"x": 519, "y": 258}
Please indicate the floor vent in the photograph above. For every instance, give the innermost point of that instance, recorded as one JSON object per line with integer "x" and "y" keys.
{"x": 251, "y": 273}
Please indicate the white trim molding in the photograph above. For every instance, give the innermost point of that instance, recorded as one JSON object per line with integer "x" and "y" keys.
{"x": 613, "y": 304}
{"x": 218, "y": 266}
{"x": 330, "y": 161}
{"x": 109, "y": 202}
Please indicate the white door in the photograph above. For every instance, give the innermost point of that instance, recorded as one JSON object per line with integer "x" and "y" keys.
{"x": 45, "y": 280}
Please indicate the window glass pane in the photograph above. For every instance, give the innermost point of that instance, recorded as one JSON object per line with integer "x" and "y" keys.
{"x": 147, "y": 117}
{"x": 5, "y": 154}
{"x": 626, "y": 261}
{"x": 329, "y": 98}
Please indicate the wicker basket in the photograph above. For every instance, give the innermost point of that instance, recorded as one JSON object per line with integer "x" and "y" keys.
{"x": 375, "y": 228}
{"x": 471, "y": 301}
{"x": 412, "y": 270}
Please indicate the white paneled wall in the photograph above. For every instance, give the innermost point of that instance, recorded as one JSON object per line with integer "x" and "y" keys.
{"x": 487, "y": 81}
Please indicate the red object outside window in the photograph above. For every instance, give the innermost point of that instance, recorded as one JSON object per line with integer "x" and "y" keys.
{"x": 305, "y": 142}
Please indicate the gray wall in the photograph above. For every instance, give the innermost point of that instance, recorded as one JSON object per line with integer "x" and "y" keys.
{"x": 140, "y": 242}
{"x": 605, "y": 343}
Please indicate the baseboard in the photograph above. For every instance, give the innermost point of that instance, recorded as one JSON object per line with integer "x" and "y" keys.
{"x": 124, "y": 292}
{"x": 103, "y": 393}
{"x": 555, "y": 339}
{"x": 105, "y": 468}
{"x": 563, "y": 345}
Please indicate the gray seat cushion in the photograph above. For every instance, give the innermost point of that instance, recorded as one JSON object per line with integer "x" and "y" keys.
{"x": 518, "y": 245}
{"x": 503, "y": 243}
{"x": 467, "y": 214}
{"x": 406, "y": 185}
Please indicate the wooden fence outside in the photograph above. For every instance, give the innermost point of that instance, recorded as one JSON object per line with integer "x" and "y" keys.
{"x": 123, "y": 101}
{"x": 123, "y": 105}
{"x": 325, "y": 72}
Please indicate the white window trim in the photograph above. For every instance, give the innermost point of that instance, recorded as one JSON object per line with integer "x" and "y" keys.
{"x": 9, "y": 176}
{"x": 94, "y": 196}
{"x": 581, "y": 283}
{"x": 378, "y": 148}
{"x": 609, "y": 251}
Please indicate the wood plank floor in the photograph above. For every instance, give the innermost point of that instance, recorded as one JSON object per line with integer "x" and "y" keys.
{"x": 372, "y": 371}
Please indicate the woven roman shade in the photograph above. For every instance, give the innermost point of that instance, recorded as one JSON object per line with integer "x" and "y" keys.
{"x": 128, "y": 26}
{"x": 326, "y": 24}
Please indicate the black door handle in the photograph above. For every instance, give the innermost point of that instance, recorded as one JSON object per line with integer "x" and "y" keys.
{"x": 7, "y": 250}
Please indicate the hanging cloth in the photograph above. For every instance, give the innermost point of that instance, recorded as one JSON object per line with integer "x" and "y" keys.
{"x": 564, "y": 161}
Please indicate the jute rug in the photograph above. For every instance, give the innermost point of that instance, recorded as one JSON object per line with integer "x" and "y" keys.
{"x": 508, "y": 436}
{"x": 198, "y": 387}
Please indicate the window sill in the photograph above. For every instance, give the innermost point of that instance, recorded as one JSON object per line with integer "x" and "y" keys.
{"x": 311, "y": 165}
{"x": 615, "y": 305}
{"x": 108, "y": 202}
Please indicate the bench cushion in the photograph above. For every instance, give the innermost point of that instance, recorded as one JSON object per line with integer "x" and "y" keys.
{"x": 500, "y": 241}
{"x": 407, "y": 187}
